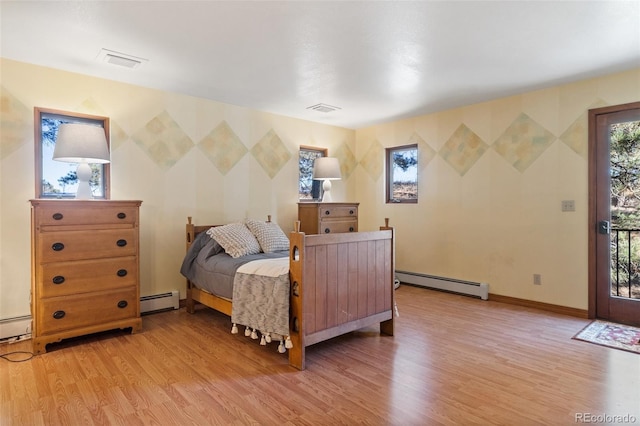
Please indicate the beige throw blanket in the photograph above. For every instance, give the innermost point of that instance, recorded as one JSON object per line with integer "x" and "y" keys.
{"x": 261, "y": 297}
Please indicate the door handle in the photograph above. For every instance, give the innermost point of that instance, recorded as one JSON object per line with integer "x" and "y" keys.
{"x": 604, "y": 227}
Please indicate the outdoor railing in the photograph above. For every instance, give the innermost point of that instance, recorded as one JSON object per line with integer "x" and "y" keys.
{"x": 625, "y": 263}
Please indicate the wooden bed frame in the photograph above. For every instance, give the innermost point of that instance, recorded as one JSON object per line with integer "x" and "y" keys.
{"x": 339, "y": 283}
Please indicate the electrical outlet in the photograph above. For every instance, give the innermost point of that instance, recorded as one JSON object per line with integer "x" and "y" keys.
{"x": 568, "y": 206}
{"x": 537, "y": 279}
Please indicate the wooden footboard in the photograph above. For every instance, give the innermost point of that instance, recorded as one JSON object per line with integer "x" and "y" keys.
{"x": 339, "y": 283}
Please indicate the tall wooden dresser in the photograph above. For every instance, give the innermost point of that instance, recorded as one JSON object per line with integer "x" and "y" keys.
{"x": 84, "y": 268}
{"x": 326, "y": 218}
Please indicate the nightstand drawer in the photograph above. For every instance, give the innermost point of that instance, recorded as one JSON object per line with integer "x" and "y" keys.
{"x": 66, "y": 313}
{"x": 90, "y": 244}
{"x": 65, "y": 213}
{"x": 337, "y": 211}
{"x": 326, "y": 218}
{"x": 82, "y": 276}
{"x": 337, "y": 226}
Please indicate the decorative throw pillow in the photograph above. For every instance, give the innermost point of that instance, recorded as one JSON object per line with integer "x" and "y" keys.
{"x": 213, "y": 246}
{"x": 236, "y": 239}
{"x": 269, "y": 235}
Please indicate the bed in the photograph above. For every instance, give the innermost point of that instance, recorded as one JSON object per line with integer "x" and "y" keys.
{"x": 337, "y": 283}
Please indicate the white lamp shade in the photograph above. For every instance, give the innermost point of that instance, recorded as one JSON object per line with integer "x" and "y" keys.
{"x": 81, "y": 143}
{"x": 326, "y": 168}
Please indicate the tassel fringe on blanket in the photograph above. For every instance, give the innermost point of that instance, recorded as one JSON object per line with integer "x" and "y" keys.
{"x": 285, "y": 342}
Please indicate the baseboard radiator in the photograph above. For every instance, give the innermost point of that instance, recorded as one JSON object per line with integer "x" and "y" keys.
{"x": 160, "y": 302}
{"x": 17, "y": 326}
{"x": 469, "y": 288}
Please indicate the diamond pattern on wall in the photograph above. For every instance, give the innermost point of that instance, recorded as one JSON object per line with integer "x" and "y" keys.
{"x": 347, "y": 160}
{"x": 576, "y": 136}
{"x": 91, "y": 106}
{"x": 373, "y": 160}
{"x": 523, "y": 142}
{"x": 223, "y": 147}
{"x": 15, "y": 123}
{"x": 271, "y": 153}
{"x": 463, "y": 149}
{"x": 425, "y": 152}
{"x": 163, "y": 140}
{"x": 117, "y": 136}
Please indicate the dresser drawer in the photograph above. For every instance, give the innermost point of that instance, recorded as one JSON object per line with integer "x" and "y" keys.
{"x": 87, "y": 244}
{"x": 83, "y": 276}
{"x": 337, "y": 211}
{"x": 66, "y": 213}
{"x": 70, "y": 312}
{"x": 338, "y": 225}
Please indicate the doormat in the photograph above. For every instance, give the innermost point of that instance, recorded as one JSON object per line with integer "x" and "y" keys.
{"x": 617, "y": 336}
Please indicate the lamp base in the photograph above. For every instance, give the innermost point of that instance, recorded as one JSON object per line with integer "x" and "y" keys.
{"x": 326, "y": 191}
{"x": 84, "y": 176}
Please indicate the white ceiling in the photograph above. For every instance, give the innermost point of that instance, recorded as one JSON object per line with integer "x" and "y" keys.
{"x": 378, "y": 61}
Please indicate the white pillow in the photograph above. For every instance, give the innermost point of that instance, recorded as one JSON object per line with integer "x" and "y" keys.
{"x": 235, "y": 239}
{"x": 269, "y": 235}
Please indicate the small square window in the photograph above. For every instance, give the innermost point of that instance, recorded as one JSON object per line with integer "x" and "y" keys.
{"x": 55, "y": 179}
{"x": 402, "y": 174}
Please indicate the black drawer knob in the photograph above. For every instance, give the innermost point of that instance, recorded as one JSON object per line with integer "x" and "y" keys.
{"x": 58, "y": 279}
{"x": 122, "y": 272}
{"x": 351, "y": 212}
{"x": 59, "y": 314}
{"x": 57, "y": 246}
{"x": 351, "y": 229}
{"x": 327, "y": 212}
{"x": 57, "y": 216}
{"x": 327, "y": 230}
{"x": 121, "y": 243}
{"x": 122, "y": 215}
{"x": 122, "y": 304}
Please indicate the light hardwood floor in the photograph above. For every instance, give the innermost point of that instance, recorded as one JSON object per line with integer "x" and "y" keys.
{"x": 454, "y": 360}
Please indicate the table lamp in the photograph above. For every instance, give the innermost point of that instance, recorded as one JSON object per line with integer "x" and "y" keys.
{"x": 326, "y": 169}
{"x": 82, "y": 144}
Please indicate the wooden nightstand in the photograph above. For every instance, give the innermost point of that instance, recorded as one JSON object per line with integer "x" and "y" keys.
{"x": 325, "y": 218}
{"x": 85, "y": 268}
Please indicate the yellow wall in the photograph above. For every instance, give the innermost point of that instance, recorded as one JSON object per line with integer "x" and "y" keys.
{"x": 491, "y": 179}
{"x": 182, "y": 156}
{"x": 491, "y": 182}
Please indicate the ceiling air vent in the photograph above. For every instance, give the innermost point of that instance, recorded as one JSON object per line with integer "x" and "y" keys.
{"x": 323, "y": 108}
{"x": 120, "y": 59}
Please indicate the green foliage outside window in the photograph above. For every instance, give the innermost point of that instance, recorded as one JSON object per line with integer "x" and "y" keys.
{"x": 305, "y": 163}
{"x": 625, "y": 209}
